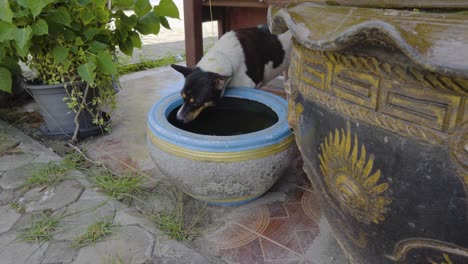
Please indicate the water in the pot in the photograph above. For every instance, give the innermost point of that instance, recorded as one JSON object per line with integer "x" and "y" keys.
{"x": 232, "y": 116}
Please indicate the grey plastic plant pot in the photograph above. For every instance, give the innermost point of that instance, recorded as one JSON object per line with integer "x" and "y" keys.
{"x": 59, "y": 119}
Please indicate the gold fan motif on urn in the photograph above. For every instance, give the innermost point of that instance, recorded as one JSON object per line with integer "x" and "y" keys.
{"x": 349, "y": 178}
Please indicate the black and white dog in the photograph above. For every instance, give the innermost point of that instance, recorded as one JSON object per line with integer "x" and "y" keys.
{"x": 247, "y": 57}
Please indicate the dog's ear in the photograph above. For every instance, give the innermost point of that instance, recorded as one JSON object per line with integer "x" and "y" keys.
{"x": 182, "y": 69}
{"x": 221, "y": 82}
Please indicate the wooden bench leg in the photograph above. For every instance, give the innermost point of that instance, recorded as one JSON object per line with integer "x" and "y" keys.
{"x": 193, "y": 31}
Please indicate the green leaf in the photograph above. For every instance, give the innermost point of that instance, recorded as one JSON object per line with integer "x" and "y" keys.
{"x": 61, "y": 16}
{"x": 100, "y": 3}
{"x": 135, "y": 38}
{"x": 124, "y": 21}
{"x": 91, "y": 32}
{"x": 86, "y": 15}
{"x": 2, "y": 54}
{"x": 84, "y": 2}
{"x": 122, "y": 35}
{"x": 164, "y": 22}
{"x": 40, "y": 27}
{"x": 148, "y": 24}
{"x": 60, "y": 54}
{"x": 22, "y": 36}
{"x": 36, "y": 6}
{"x": 102, "y": 14}
{"x": 69, "y": 35}
{"x": 126, "y": 47}
{"x": 5, "y": 12}
{"x": 123, "y": 3}
{"x": 11, "y": 64}
{"x": 106, "y": 63}
{"x": 79, "y": 41}
{"x": 167, "y": 8}
{"x": 142, "y": 7}
{"x": 96, "y": 46}
{"x": 74, "y": 50}
{"x": 5, "y": 76}
{"x": 6, "y": 31}
{"x": 87, "y": 72}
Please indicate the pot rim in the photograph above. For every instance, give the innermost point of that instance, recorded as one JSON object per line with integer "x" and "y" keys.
{"x": 159, "y": 126}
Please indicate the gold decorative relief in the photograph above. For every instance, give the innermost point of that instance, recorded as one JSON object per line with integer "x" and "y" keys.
{"x": 314, "y": 72}
{"x": 446, "y": 257}
{"x": 417, "y": 105}
{"x": 403, "y": 247}
{"x": 459, "y": 147}
{"x": 374, "y": 118}
{"x": 350, "y": 179}
{"x": 400, "y": 99}
{"x": 357, "y": 87}
{"x": 398, "y": 73}
{"x": 294, "y": 112}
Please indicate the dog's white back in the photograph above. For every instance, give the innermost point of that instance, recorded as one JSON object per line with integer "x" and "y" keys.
{"x": 227, "y": 57}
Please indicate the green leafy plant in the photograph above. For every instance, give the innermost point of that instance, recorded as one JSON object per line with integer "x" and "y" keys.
{"x": 75, "y": 42}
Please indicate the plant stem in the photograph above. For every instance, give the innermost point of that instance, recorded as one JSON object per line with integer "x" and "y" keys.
{"x": 82, "y": 106}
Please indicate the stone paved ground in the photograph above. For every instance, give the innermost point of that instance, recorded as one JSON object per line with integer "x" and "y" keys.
{"x": 78, "y": 205}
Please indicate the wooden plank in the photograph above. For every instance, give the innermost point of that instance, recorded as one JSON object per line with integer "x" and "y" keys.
{"x": 193, "y": 31}
{"x": 440, "y": 4}
{"x": 235, "y": 3}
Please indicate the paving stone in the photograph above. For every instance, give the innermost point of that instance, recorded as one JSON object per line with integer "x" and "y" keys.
{"x": 171, "y": 251}
{"x": 157, "y": 202}
{"x": 131, "y": 217}
{"x": 14, "y": 252}
{"x": 82, "y": 214}
{"x": 16, "y": 176}
{"x": 91, "y": 194}
{"x": 130, "y": 243}
{"x": 54, "y": 197}
{"x": 7, "y": 196}
{"x": 7, "y": 142}
{"x": 26, "y": 220}
{"x": 47, "y": 157}
{"x": 8, "y": 217}
{"x": 59, "y": 252}
{"x": 17, "y": 159}
{"x": 81, "y": 178}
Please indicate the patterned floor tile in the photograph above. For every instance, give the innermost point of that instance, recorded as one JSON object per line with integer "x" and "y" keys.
{"x": 278, "y": 232}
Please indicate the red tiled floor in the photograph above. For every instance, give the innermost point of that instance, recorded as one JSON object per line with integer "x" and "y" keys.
{"x": 283, "y": 230}
{"x": 248, "y": 253}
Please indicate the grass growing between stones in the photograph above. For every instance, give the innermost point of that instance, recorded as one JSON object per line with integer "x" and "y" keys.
{"x": 113, "y": 260}
{"x": 53, "y": 173}
{"x": 41, "y": 229}
{"x": 19, "y": 207}
{"x": 119, "y": 187}
{"x": 95, "y": 232}
{"x": 149, "y": 64}
{"x": 184, "y": 221}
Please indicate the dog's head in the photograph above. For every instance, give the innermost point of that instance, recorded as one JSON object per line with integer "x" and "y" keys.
{"x": 201, "y": 89}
